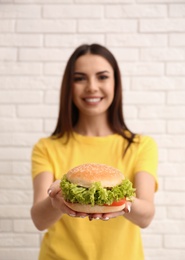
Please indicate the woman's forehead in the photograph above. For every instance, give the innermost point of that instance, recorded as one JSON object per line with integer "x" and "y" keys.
{"x": 92, "y": 62}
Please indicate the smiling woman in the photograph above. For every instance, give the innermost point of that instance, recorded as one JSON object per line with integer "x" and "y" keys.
{"x": 91, "y": 130}
{"x": 93, "y": 86}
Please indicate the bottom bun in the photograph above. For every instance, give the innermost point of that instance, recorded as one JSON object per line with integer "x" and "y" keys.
{"x": 93, "y": 209}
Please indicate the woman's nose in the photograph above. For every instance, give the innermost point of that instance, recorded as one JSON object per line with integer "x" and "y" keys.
{"x": 91, "y": 85}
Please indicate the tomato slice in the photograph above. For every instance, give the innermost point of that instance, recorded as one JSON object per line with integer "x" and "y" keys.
{"x": 117, "y": 203}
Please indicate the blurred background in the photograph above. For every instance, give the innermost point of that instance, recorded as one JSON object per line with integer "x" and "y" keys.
{"x": 36, "y": 39}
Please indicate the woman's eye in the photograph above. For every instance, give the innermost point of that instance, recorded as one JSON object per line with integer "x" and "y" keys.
{"x": 77, "y": 79}
{"x": 103, "y": 77}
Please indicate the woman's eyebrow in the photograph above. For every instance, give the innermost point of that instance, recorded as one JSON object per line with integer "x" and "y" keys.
{"x": 78, "y": 73}
{"x": 99, "y": 72}
{"x": 104, "y": 71}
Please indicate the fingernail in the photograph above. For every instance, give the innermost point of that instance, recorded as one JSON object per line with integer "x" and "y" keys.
{"x": 96, "y": 218}
{"x": 72, "y": 215}
{"x": 49, "y": 191}
{"x": 106, "y": 218}
{"x": 129, "y": 208}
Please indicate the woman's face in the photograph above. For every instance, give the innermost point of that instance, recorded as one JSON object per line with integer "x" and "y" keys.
{"x": 93, "y": 85}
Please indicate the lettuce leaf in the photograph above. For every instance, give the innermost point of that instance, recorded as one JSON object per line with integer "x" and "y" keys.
{"x": 96, "y": 194}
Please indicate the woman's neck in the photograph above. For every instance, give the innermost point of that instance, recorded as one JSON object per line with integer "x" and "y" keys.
{"x": 92, "y": 126}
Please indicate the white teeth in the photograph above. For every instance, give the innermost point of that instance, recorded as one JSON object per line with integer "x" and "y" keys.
{"x": 92, "y": 100}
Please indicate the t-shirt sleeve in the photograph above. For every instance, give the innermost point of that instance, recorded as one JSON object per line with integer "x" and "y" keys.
{"x": 147, "y": 157}
{"x": 40, "y": 159}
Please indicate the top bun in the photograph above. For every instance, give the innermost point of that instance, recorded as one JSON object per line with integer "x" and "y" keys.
{"x": 86, "y": 174}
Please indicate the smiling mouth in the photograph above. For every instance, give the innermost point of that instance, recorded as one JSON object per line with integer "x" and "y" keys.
{"x": 92, "y": 100}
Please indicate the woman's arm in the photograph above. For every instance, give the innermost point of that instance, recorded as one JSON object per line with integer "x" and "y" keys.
{"x": 143, "y": 208}
{"x": 46, "y": 210}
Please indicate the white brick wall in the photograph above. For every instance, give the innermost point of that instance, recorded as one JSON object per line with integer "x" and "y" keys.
{"x": 36, "y": 39}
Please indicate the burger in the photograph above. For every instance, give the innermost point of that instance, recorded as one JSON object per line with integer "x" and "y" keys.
{"x": 96, "y": 188}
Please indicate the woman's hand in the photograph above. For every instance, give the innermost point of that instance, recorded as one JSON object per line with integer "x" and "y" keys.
{"x": 107, "y": 216}
{"x": 57, "y": 201}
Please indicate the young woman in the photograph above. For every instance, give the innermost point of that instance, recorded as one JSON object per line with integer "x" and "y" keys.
{"x": 91, "y": 129}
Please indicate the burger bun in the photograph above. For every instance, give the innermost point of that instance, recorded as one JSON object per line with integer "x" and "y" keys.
{"x": 93, "y": 209}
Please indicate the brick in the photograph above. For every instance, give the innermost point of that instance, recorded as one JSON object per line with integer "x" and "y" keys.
{"x": 18, "y": 139}
{"x": 11, "y": 182}
{"x": 20, "y": 40}
{"x": 19, "y": 253}
{"x": 161, "y": 25}
{"x": 171, "y": 141}
{"x": 15, "y": 197}
{"x": 177, "y": 10}
{"x": 21, "y": 168}
{"x": 174, "y": 241}
{"x": 166, "y": 198}
{"x": 175, "y": 68}
{"x": 44, "y": 54}
{"x": 7, "y": 110}
{"x": 20, "y": 11}
{"x": 49, "y": 125}
{"x": 164, "y": 254}
{"x": 160, "y": 83}
{"x": 20, "y": 68}
{"x": 103, "y": 1}
{"x": 125, "y": 54}
{"x": 54, "y": 68}
{"x": 15, "y": 211}
{"x": 176, "y": 98}
{"x": 135, "y": 11}
{"x": 166, "y": 226}
{"x": 177, "y": 40}
{"x": 171, "y": 169}
{"x": 152, "y": 241}
{"x": 176, "y": 213}
{"x": 175, "y": 184}
{"x": 43, "y": 1}
{"x": 147, "y": 126}
{"x": 176, "y": 126}
{"x": 20, "y": 125}
{"x": 159, "y": 1}
{"x": 25, "y": 139}
{"x": 72, "y": 40}
{"x": 163, "y": 157}
{"x": 163, "y": 54}
{"x": 142, "y": 68}
{"x": 136, "y": 40}
{"x": 7, "y": 26}
{"x": 18, "y": 97}
{"x": 52, "y": 97}
{"x": 26, "y": 82}
{"x": 45, "y": 26}
{"x": 103, "y": 26}
{"x": 168, "y": 112}
{"x": 160, "y": 214}
{"x": 176, "y": 155}
{"x": 7, "y": 153}
{"x": 38, "y": 111}
{"x": 6, "y": 225}
{"x": 24, "y": 226}
{"x": 139, "y": 97}
{"x": 19, "y": 240}
{"x": 5, "y": 168}
{"x": 73, "y": 11}
{"x": 130, "y": 111}
{"x": 8, "y": 54}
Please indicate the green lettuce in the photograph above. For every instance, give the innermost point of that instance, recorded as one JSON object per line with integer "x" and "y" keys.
{"x": 96, "y": 194}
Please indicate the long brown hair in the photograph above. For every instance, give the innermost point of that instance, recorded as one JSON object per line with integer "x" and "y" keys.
{"x": 68, "y": 112}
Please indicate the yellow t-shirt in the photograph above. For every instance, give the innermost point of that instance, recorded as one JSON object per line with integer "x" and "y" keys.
{"x": 80, "y": 239}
